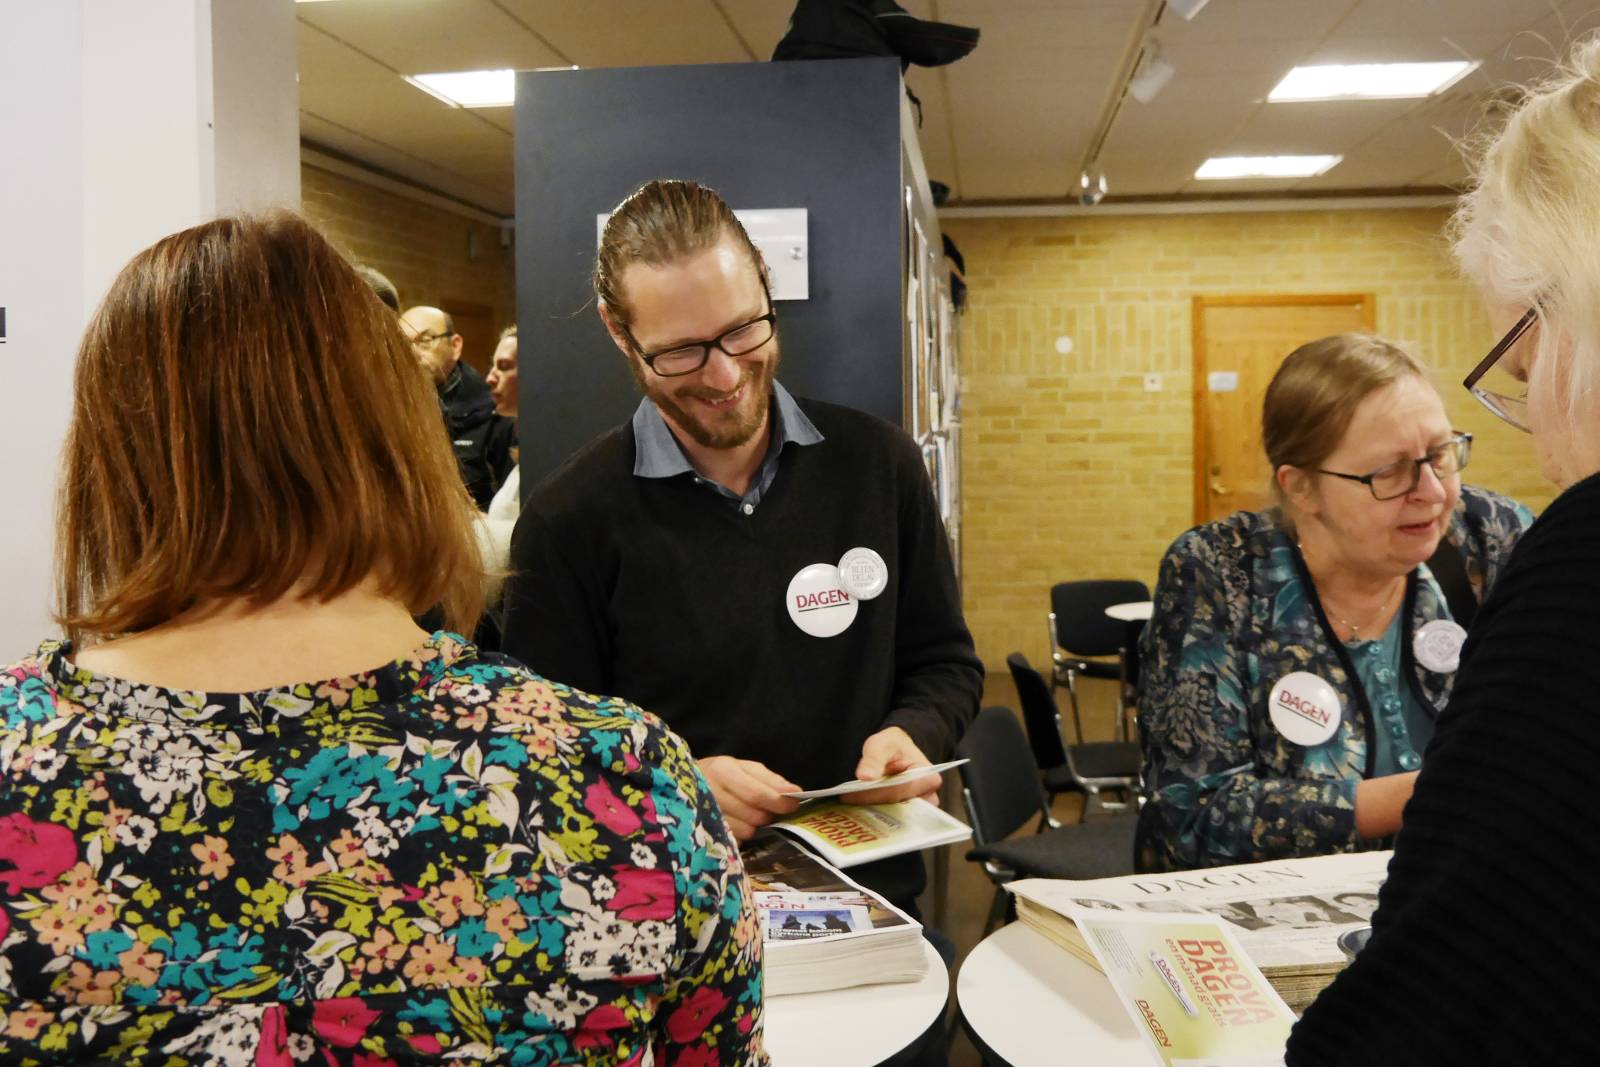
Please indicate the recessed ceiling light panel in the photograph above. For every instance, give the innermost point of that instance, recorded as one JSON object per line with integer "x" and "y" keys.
{"x": 1222, "y": 168}
{"x": 1369, "y": 81}
{"x": 470, "y": 88}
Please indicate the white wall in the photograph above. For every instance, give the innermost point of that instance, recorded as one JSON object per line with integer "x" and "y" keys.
{"x": 255, "y": 105}
{"x": 41, "y": 288}
{"x": 129, "y": 121}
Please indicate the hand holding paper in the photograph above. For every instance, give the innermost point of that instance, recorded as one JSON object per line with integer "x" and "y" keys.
{"x": 859, "y": 785}
{"x": 750, "y": 794}
{"x": 891, "y": 752}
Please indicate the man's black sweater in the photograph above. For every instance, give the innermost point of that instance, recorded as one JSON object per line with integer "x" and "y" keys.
{"x": 661, "y": 592}
{"x": 1486, "y": 935}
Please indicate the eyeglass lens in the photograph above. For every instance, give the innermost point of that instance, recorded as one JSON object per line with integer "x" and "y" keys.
{"x": 1398, "y": 479}
{"x": 737, "y": 342}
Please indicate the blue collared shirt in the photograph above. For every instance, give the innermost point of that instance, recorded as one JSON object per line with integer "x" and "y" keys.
{"x": 658, "y": 454}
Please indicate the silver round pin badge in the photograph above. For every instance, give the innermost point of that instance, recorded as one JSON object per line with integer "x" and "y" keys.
{"x": 863, "y": 573}
{"x": 1437, "y": 645}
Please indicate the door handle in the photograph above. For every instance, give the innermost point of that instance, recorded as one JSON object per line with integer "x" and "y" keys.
{"x": 1217, "y": 488}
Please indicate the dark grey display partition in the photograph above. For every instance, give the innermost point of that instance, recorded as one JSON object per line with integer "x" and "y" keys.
{"x": 824, "y": 135}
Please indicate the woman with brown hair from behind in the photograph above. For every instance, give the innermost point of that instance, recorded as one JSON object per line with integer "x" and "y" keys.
{"x": 249, "y": 811}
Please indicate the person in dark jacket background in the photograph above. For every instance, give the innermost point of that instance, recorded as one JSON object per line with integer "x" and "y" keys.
{"x": 482, "y": 439}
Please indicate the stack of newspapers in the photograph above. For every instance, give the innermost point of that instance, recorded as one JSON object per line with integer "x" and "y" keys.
{"x": 1288, "y": 915}
{"x": 821, "y": 930}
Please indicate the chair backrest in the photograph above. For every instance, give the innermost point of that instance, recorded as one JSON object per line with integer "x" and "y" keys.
{"x": 1082, "y": 625}
{"x": 1001, "y": 783}
{"x": 1039, "y": 714}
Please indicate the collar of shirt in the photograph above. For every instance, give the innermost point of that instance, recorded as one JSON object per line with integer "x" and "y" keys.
{"x": 657, "y": 453}
{"x": 452, "y": 381}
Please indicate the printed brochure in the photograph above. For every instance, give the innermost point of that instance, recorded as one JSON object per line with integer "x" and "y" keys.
{"x": 1189, "y": 987}
{"x": 850, "y": 834}
{"x": 861, "y": 785}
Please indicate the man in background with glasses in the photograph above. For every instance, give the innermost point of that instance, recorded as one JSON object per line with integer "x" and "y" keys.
{"x": 769, "y": 575}
{"x": 482, "y": 440}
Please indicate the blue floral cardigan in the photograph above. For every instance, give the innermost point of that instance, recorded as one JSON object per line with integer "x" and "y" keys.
{"x": 1221, "y": 784}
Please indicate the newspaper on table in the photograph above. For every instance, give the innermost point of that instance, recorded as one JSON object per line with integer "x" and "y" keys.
{"x": 819, "y": 929}
{"x": 1287, "y": 914}
{"x": 1188, "y": 986}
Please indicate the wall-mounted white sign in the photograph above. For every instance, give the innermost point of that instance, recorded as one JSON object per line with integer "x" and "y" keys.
{"x": 782, "y": 235}
{"x": 1222, "y": 381}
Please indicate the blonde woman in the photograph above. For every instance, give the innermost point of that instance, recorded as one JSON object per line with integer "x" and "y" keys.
{"x": 1485, "y": 936}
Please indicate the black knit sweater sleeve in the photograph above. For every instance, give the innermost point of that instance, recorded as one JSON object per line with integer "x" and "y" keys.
{"x": 1486, "y": 936}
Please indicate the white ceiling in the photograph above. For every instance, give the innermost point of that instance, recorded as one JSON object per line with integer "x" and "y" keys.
{"x": 1010, "y": 122}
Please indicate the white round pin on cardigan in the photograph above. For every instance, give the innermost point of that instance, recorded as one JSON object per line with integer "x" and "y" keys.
{"x": 864, "y": 573}
{"x": 1437, "y": 645}
{"x": 819, "y": 603}
{"x": 1304, "y": 708}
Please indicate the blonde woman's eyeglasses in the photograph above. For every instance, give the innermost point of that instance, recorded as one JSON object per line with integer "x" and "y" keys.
{"x": 1513, "y": 409}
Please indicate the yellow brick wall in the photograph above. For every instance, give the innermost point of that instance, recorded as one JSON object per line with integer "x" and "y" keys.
{"x": 1070, "y": 469}
{"x": 423, "y": 249}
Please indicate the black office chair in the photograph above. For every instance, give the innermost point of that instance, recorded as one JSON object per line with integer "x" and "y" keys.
{"x": 1002, "y": 795}
{"x": 1086, "y": 642}
{"x": 1089, "y": 767}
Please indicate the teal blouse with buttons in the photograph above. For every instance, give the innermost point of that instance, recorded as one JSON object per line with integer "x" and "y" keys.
{"x": 1403, "y": 726}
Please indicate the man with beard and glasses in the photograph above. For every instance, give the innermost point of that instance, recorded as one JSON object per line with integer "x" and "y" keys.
{"x": 769, "y": 575}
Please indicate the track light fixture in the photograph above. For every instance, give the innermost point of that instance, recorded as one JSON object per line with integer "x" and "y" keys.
{"x": 1153, "y": 74}
{"x": 1091, "y": 187}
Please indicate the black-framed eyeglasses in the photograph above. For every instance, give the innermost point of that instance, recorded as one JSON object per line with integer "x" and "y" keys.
{"x": 428, "y": 338}
{"x": 1513, "y": 409}
{"x": 1401, "y": 477}
{"x": 686, "y": 359}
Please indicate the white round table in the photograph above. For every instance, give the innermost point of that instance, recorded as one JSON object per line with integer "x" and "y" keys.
{"x": 858, "y": 1026}
{"x": 1132, "y": 611}
{"x": 1027, "y": 1001}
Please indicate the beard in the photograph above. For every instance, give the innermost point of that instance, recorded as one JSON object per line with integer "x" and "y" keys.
{"x": 706, "y": 427}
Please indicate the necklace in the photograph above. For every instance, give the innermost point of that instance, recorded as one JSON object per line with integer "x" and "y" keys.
{"x": 1355, "y": 631}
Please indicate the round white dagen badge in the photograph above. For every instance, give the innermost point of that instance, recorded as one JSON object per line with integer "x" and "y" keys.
{"x": 1304, "y": 708}
{"x": 818, "y": 602}
{"x": 1437, "y": 645}
{"x": 864, "y": 573}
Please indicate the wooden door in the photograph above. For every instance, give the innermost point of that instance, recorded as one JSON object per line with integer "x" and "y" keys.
{"x": 1239, "y": 341}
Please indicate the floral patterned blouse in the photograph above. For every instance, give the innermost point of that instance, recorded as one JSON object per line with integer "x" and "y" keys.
{"x": 1232, "y": 616}
{"x": 445, "y": 859}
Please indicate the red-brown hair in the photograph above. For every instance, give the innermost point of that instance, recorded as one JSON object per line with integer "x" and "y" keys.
{"x": 248, "y": 422}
